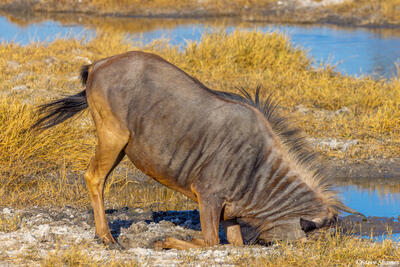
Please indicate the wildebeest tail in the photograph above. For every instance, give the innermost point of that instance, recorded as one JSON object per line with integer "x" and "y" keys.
{"x": 56, "y": 112}
{"x": 60, "y": 110}
{"x": 85, "y": 73}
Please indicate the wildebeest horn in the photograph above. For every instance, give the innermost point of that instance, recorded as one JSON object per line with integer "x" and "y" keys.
{"x": 350, "y": 210}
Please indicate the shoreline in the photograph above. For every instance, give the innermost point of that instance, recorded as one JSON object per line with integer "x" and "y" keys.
{"x": 383, "y": 169}
{"x": 280, "y": 12}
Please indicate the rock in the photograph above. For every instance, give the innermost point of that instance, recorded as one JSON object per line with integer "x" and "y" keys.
{"x": 74, "y": 78}
{"x": 19, "y": 88}
{"x": 332, "y": 143}
{"x": 20, "y": 76}
{"x": 42, "y": 233}
{"x": 50, "y": 60}
{"x": 84, "y": 59}
{"x": 302, "y": 109}
{"x": 13, "y": 64}
{"x": 139, "y": 227}
{"x": 343, "y": 111}
{"x": 7, "y": 211}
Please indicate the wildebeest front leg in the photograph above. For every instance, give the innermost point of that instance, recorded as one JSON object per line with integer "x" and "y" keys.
{"x": 233, "y": 233}
{"x": 210, "y": 211}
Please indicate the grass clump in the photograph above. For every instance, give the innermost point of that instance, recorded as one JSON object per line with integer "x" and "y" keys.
{"x": 378, "y": 12}
{"x": 10, "y": 223}
{"x": 338, "y": 250}
{"x": 81, "y": 255}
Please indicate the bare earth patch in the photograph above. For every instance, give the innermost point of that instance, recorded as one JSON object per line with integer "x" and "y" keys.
{"x": 45, "y": 232}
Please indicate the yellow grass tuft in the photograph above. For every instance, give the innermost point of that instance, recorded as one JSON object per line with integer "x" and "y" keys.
{"x": 80, "y": 255}
{"x": 10, "y": 223}
{"x": 383, "y": 11}
{"x": 338, "y": 250}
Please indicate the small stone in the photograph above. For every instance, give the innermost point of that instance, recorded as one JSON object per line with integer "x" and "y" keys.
{"x": 84, "y": 59}
{"x": 7, "y": 211}
{"x": 138, "y": 227}
{"x": 50, "y": 60}
{"x": 74, "y": 78}
{"x": 342, "y": 111}
{"x": 19, "y": 88}
{"x": 13, "y": 64}
{"x": 19, "y": 76}
{"x": 302, "y": 109}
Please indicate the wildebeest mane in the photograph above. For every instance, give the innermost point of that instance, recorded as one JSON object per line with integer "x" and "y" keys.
{"x": 291, "y": 137}
{"x": 294, "y": 140}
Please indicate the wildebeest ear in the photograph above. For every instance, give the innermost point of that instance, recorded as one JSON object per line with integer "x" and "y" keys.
{"x": 307, "y": 225}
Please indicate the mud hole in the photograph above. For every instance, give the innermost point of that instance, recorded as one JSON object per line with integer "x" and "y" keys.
{"x": 42, "y": 231}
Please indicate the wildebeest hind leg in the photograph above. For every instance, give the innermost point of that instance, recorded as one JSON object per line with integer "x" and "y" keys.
{"x": 109, "y": 152}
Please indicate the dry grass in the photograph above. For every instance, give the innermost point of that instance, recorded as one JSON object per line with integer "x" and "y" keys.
{"x": 340, "y": 250}
{"x": 358, "y": 12}
{"x": 141, "y": 8}
{"x": 46, "y": 168}
{"x": 387, "y": 11}
{"x": 80, "y": 255}
{"x": 10, "y": 223}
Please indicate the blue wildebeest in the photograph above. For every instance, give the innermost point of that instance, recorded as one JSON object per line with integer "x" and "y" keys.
{"x": 230, "y": 153}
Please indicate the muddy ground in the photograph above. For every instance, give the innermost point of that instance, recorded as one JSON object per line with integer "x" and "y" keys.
{"x": 44, "y": 230}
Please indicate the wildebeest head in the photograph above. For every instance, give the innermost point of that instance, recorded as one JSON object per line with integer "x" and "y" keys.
{"x": 291, "y": 227}
{"x": 295, "y": 227}
{"x": 299, "y": 227}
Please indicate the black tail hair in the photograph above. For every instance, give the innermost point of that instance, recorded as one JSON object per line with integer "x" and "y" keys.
{"x": 60, "y": 110}
{"x": 84, "y": 73}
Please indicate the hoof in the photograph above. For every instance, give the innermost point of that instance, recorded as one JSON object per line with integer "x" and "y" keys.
{"x": 158, "y": 245}
{"x": 110, "y": 245}
{"x": 98, "y": 240}
{"x": 114, "y": 246}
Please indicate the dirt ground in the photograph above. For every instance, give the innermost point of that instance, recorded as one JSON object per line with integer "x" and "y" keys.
{"x": 45, "y": 230}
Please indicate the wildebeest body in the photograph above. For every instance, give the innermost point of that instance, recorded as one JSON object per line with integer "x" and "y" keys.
{"x": 209, "y": 145}
{"x": 180, "y": 132}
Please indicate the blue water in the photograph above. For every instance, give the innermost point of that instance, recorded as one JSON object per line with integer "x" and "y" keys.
{"x": 370, "y": 202}
{"x": 379, "y": 238}
{"x": 355, "y": 51}
{"x": 45, "y": 32}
